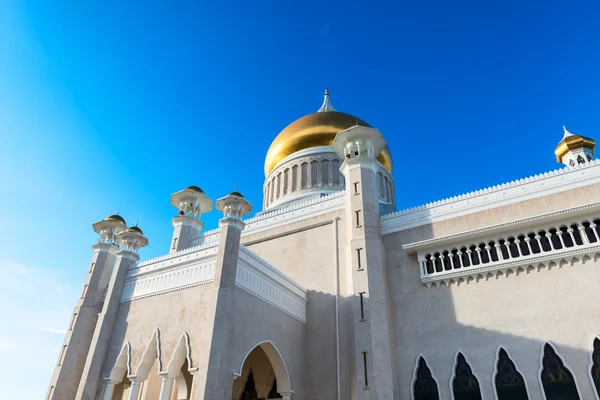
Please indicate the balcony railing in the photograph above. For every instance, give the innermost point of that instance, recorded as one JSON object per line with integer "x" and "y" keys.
{"x": 509, "y": 250}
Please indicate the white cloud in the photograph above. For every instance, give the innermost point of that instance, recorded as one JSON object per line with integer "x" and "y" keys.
{"x": 52, "y": 330}
{"x": 36, "y": 308}
{"x": 7, "y": 346}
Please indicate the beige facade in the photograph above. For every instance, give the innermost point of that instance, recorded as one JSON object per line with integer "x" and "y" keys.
{"x": 326, "y": 294}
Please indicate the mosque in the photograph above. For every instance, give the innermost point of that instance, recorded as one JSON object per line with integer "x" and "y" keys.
{"x": 330, "y": 293}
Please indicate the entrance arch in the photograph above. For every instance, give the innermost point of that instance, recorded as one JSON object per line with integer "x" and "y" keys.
{"x": 264, "y": 372}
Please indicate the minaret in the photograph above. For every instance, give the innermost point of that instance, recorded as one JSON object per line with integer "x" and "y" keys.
{"x": 129, "y": 241}
{"x": 215, "y": 379}
{"x": 574, "y": 149}
{"x": 374, "y": 367}
{"x": 190, "y": 203}
{"x": 71, "y": 360}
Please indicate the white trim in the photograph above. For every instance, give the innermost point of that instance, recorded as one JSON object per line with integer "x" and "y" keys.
{"x": 287, "y": 385}
{"x": 144, "y": 361}
{"x": 539, "y": 374}
{"x": 591, "y": 358}
{"x": 414, "y": 379}
{"x": 508, "y": 193}
{"x": 496, "y": 372}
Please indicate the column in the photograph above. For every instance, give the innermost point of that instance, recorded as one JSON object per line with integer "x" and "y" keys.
{"x": 286, "y": 395}
{"x": 166, "y": 390}
{"x": 215, "y": 371}
{"x": 134, "y": 390}
{"x": 109, "y": 389}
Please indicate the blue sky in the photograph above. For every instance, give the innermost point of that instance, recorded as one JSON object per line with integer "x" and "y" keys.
{"x": 106, "y": 106}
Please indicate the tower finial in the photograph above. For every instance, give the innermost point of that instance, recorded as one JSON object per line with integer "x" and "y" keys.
{"x": 567, "y": 133}
{"x": 326, "y": 107}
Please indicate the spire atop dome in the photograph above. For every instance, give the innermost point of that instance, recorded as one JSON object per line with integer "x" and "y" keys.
{"x": 326, "y": 107}
{"x": 567, "y": 133}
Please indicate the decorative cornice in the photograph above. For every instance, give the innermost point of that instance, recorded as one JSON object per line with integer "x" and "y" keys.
{"x": 568, "y": 212}
{"x": 169, "y": 256}
{"x": 300, "y": 211}
{"x": 177, "y": 277}
{"x": 526, "y": 264}
{"x": 520, "y": 190}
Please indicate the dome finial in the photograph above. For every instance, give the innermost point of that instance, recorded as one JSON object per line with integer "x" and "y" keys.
{"x": 567, "y": 133}
{"x": 326, "y": 107}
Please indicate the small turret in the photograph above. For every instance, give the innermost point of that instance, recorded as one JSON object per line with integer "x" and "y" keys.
{"x": 234, "y": 205}
{"x": 109, "y": 227}
{"x": 574, "y": 149}
{"x": 190, "y": 203}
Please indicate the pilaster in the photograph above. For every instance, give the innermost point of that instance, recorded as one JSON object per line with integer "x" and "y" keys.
{"x": 215, "y": 370}
{"x": 91, "y": 376}
{"x": 83, "y": 321}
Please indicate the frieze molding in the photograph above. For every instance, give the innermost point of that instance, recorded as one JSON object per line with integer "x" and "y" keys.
{"x": 508, "y": 193}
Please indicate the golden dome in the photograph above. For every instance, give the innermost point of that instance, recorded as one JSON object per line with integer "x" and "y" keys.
{"x": 116, "y": 218}
{"x": 317, "y": 129}
{"x": 237, "y": 194}
{"x": 572, "y": 141}
{"x": 135, "y": 229}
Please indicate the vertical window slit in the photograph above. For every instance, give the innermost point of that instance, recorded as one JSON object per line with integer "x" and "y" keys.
{"x": 364, "y": 354}
{"x": 359, "y": 261}
{"x": 357, "y": 218}
{"x": 362, "y": 306}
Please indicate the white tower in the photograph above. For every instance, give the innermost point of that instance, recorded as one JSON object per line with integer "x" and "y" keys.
{"x": 574, "y": 149}
{"x": 190, "y": 203}
{"x": 374, "y": 367}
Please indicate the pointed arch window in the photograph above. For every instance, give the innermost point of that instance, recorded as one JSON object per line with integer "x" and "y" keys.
{"x": 580, "y": 160}
{"x": 557, "y": 380}
{"x": 510, "y": 384}
{"x": 465, "y": 384}
{"x": 425, "y": 387}
{"x": 596, "y": 365}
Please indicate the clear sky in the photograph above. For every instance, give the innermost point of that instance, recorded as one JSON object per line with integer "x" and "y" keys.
{"x": 113, "y": 105}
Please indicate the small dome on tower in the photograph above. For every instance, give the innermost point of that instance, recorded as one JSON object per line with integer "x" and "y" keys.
{"x": 115, "y": 217}
{"x": 194, "y": 188}
{"x": 135, "y": 229}
{"x": 238, "y": 194}
{"x": 570, "y": 142}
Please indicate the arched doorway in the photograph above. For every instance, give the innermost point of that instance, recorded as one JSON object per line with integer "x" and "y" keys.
{"x": 263, "y": 375}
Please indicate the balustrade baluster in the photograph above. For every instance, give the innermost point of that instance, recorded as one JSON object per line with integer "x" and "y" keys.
{"x": 583, "y": 234}
{"x": 528, "y": 241}
{"x": 570, "y": 232}
{"x": 538, "y": 239}
{"x": 469, "y": 251}
{"x": 451, "y": 256}
{"x": 517, "y": 245}
{"x": 562, "y": 240}
{"x": 499, "y": 252}
{"x": 442, "y": 262}
{"x": 433, "y": 258}
{"x": 593, "y": 228}
{"x": 478, "y": 250}
{"x": 489, "y": 254}
{"x": 460, "y": 258}
{"x": 549, "y": 236}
